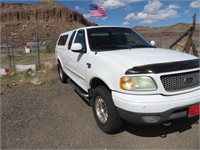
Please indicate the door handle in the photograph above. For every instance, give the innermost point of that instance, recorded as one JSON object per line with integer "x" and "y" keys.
{"x": 89, "y": 65}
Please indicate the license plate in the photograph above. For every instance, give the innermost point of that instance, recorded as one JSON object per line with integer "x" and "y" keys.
{"x": 194, "y": 110}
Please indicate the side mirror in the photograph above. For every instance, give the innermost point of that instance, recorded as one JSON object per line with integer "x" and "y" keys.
{"x": 153, "y": 43}
{"x": 77, "y": 47}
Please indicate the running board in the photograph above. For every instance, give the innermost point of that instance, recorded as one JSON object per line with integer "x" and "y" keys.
{"x": 78, "y": 89}
{"x": 81, "y": 92}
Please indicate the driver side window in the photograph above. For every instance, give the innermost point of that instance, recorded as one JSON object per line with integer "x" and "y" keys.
{"x": 80, "y": 38}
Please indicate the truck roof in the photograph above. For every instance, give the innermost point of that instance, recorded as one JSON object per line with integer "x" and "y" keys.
{"x": 90, "y": 27}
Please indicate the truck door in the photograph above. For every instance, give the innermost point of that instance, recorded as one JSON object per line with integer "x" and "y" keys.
{"x": 78, "y": 63}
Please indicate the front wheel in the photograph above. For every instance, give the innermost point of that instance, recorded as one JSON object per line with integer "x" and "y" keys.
{"x": 104, "y": 111}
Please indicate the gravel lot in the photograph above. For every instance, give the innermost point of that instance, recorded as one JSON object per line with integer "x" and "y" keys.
{"x": 55, "y": 117}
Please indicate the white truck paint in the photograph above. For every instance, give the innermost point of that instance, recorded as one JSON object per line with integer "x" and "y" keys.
{"x": 132, "y": 73}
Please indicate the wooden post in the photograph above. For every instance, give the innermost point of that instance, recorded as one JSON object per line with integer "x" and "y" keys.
{"x": 188, "y": 44}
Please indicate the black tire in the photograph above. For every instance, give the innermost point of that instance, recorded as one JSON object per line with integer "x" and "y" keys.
{"x": 63, "y": 77}
{"x": 110, "y": 121}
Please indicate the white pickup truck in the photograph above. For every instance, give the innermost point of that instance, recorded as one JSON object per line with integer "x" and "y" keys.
{"x": 125, "y": 77}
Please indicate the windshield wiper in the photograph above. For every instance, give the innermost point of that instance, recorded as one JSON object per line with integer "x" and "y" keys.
{"x": 143, "y": 46}
{"x": 111, "y": 47}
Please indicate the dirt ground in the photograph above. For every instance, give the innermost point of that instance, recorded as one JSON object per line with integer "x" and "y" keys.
{"x": 55, "y": 117}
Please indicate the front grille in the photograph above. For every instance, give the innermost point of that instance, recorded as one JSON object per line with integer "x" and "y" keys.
{"x": 178, "y": 82}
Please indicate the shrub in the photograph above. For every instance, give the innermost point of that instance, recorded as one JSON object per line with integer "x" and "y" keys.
{"x": 50, "y": 48}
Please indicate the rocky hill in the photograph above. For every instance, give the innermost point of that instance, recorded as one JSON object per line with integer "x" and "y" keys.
{"x": 47, "y": 16}
{"x": 164, "y": 36}
{"x": 174, "y": 30}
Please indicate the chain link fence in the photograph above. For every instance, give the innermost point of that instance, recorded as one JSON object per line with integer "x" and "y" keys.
{"x": 19, "y": 51}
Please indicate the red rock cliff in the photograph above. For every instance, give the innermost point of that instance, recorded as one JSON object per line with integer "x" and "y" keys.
{"x": 48, "y": 16}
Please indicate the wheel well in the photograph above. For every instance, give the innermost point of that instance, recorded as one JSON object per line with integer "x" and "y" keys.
{"x": 58, "y": 61}
{"x": 96, "y": 82}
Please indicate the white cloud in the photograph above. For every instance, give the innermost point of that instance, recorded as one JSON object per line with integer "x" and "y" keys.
{"x": 125, "y": 23}
{"x": 186, "y": 11}
{"x": 174, "y": 6}
{"x": 195, "y": 4}
{"x": 104, "y": 18}
{"x": 77, "y": 8}
{"x": 127, "y": 8}
{"x": 152, "y": 7}
{"x": 113, "y": 4}
{"x": 152, "y": 13}
{"x": 87, "y": 16}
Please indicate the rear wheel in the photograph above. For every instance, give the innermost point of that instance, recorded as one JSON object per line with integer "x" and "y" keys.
{"x": 104, "y": 111}
{"x": 63, "y": 77}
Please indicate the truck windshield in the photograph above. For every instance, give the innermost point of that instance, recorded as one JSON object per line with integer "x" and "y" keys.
{"x": 115, "y": 38}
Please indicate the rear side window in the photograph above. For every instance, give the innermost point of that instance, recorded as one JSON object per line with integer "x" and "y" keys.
{"x": 70, "y": 41}
{"x": 63, "y": 39}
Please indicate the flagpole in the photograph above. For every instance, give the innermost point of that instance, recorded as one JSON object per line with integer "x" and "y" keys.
{"x": 94, "y": 17}
{"x": 90, "y": 15}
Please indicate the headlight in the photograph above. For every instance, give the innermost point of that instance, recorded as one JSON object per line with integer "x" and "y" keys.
{"x": 139, "y": 83}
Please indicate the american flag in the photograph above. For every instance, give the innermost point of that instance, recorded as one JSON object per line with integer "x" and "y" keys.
{"x": 97, "y": 10}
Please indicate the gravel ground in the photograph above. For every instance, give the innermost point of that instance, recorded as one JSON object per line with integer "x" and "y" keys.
{"x": 55, "y": 117}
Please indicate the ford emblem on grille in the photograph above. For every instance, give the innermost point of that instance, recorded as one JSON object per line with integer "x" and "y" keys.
{"x": 188, "y": 80}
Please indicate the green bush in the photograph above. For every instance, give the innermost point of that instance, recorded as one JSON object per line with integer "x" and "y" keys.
{"x": 50, "y": 48}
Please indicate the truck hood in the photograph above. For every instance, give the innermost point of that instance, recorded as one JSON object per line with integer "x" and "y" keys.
{"x": 145, "y": 56}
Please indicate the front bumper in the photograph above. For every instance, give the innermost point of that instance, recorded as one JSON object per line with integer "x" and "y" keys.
{"x": 137, "y": 108}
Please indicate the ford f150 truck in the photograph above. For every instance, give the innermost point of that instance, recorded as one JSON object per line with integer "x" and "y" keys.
{"x": 125, "y": 77}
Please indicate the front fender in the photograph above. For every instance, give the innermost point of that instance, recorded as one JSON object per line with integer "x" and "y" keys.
{"x": 104, "y": 68}
{"x": 103, "y": 79}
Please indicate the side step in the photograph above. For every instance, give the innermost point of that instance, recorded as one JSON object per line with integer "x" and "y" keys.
{"x": 78, "y": 89}
{"x": 81, "y": 92}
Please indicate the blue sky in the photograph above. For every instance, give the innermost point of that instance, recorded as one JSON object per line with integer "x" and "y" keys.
{"x": 153, "y": 13}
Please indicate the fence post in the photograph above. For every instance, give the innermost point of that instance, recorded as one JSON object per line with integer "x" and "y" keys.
{"x": 12, "y": 55}
{"x": 38, "y": 52}
{"x": 8, "y": 50}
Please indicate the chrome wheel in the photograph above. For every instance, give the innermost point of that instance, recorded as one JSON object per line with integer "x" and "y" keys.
{"x": 104, "y": 110}
{"x": 101, "y": 110}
